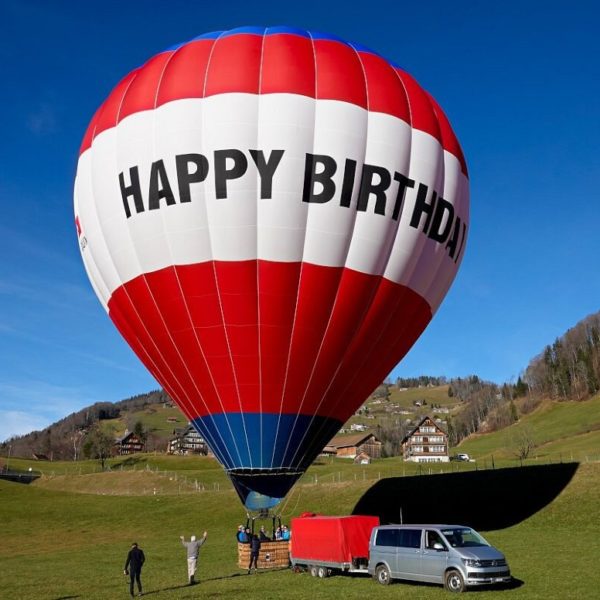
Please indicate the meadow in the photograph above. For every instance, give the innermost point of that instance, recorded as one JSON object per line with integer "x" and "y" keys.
{"x": 66, "y": 536}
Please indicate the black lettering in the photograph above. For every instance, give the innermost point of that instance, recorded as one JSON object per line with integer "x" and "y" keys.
{"x": 348, "y": 183}
{"x": 185, "y": 177}
{"x": 368, "y": 187}
{"x": 266, "y": 170}
{"x": 133, "y": 190}
{"x": 159, "y": 186}
{"x": 405, "y": 183}
{"x": 223, "y": 174}
{"x": 453, "y": 241}
{"x": 421, "y": 206}
{"x": 442, "y": 207}
{"x": 325, "y": 178}
{"x": 462, "y": 241}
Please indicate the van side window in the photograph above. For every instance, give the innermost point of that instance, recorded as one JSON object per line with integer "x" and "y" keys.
{"x": 387, "y": 537}
{"x": 410, "y": 538}
{"x": 433, "y": 537}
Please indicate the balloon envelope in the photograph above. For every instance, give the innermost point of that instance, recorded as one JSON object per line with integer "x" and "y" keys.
{"x": 271, "y": 217}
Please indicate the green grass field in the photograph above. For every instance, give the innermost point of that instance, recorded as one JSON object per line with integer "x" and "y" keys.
{"x": 59, "y": 544}
{"x": 67, "y": 534}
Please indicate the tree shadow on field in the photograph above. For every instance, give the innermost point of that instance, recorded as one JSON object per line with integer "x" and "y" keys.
{"x": 169, "y": 589}
{"x": 199, "y": 583}
{"x": 130, "y": 461}
{"x": 486, "y": 500}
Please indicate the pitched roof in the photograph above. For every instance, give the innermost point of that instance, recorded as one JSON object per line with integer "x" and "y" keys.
{"x": 343, "y": 441}
{"x": 425, "y": 418}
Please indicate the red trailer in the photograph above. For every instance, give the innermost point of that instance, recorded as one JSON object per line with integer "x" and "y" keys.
{"x": 321, "y": 544}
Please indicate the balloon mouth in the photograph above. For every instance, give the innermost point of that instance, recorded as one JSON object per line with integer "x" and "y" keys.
{"x": 261, "y": 489}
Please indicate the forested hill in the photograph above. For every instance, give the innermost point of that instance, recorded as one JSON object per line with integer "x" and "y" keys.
{"x": 569, "y": 369}
{"x": 61, "y": 438}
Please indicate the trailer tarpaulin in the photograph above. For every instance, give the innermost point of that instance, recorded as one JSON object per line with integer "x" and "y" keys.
{"x": 332, "y": 539}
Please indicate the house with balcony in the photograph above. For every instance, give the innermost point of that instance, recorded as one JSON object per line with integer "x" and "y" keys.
{"x": 187, "y": 440}
{"x": 128, "y": 443}
{"x": 427, "y": 442}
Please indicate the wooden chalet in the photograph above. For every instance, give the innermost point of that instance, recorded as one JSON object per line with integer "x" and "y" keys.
{"x": 427, "y": 442}
{"x": 187, "y": 440}
{"x": 128, "y": 443}
{"x": 350, "y": 446}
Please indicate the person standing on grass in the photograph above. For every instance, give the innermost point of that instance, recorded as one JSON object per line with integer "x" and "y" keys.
{"x": 254, "y": 551}
{"x": 133, "y": 567}
{"x": 193, "y": 550}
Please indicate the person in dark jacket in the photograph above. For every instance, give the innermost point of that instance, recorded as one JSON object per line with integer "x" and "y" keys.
{"x": 133, "y": 567}
{"x": 263, "y": 535}
{"x": 254, "y": 551}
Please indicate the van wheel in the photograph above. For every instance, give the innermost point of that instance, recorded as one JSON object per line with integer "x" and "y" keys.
{"x": 454, "y": 582}
{"x": 322, "y": 572}
{"x": 382, "y": 574}
{"x": 313, "y": 571}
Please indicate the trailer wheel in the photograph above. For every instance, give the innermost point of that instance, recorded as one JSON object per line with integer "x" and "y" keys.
{"x": 322, "y": 572}
{"x": 382, "y": 574}
{"x": 313, "y": 571}
{"x": 454, "y": 582}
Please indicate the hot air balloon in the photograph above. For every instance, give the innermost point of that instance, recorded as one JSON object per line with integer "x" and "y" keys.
{"x": 270, "y": 217}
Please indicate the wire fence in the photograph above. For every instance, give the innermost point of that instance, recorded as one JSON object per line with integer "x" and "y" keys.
{"x": 151, "y": 480}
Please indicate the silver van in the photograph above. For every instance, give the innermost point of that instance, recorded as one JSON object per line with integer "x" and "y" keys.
{"x": 453, "y": 555}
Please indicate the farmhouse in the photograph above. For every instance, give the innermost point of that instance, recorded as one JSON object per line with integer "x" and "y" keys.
{"x": 187, "y": 440}
{"x": 427, "y": 442}
{"x": 350, "y": 446}
{"x": 128, "y": 443}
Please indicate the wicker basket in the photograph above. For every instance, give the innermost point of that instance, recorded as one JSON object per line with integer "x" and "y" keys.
{"x": 272, "y": 555}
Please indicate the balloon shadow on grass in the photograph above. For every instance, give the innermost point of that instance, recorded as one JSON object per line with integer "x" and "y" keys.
{"x": 487, "y": 500}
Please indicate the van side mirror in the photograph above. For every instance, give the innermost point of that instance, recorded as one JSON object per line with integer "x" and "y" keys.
{"x": 439, "y": 547}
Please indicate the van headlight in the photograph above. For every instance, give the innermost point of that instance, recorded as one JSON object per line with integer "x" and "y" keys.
{"x": 470, "y": 562}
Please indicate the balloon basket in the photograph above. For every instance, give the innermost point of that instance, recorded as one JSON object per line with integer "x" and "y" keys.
{"x": 272, "y": 555}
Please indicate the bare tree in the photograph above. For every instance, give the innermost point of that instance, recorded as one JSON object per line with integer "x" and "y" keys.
{"x": 521, "y": 441}
{"x": 99, "y": 444}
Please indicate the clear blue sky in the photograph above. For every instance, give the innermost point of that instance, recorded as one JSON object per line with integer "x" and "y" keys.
{"x": 520, "y": 84}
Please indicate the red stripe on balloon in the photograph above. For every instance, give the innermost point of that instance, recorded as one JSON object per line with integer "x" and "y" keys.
{"x": 141, "y": 94}
{"x": 386, "y": 93}
{"x": 339, "y": 73}
{"x": 281, "y": 63}
{"x": 234, "y": 65}
{"x": 288, "y": 66}
{"x": 185, "y": 74}
{"x": 259, "y": 336}
{"x": 449, "y": 139}
{"x": 106, "y": 116}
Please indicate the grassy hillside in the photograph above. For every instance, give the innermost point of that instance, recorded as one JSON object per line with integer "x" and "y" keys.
{"x": 58, "y": 544}
{"x": 161, "y": 420}
{"x": 570, "y": 430}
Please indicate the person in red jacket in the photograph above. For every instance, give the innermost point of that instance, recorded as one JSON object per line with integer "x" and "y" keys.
{"x": 133, "y": 567}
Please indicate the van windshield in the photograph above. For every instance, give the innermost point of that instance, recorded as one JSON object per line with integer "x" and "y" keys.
{"x": 463, "y": 537}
